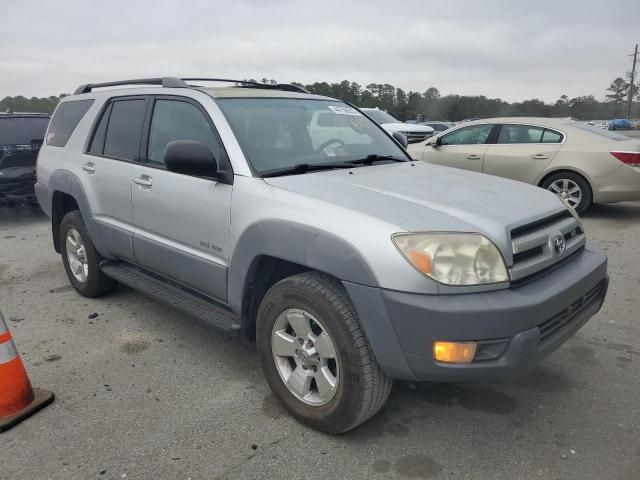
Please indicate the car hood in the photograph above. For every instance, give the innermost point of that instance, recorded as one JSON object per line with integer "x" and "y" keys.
{"x": 407, "y": 127}
{"x": 419, "y": 197}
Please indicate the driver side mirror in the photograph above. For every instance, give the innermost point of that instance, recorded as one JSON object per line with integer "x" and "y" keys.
{"x": 190, "y": 157}
{"x": 400, "y": 138}
{"x": 435, "y": 142}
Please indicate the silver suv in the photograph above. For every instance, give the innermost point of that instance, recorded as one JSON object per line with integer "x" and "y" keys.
{"x": 299, "y": 223}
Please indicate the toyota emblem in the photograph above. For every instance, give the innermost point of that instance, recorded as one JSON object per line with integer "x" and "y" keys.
{"x": 559, "y": 245}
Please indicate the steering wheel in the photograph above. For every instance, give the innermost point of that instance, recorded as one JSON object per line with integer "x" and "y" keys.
{"x": 327, "y": 143}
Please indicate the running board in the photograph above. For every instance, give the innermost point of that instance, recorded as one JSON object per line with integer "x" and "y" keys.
{"x": 189, "y": 302}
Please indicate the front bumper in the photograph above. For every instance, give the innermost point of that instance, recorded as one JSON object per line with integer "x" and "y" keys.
{"x": 17, "y": 183}
{"x": 515, "y": 327}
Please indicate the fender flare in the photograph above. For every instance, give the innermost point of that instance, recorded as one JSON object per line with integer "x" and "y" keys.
{"x": 67, "y": 182}
{"x": 298, "y": 243}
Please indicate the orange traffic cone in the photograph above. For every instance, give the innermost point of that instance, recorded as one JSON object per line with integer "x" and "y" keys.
{"x": 18, "y": 400}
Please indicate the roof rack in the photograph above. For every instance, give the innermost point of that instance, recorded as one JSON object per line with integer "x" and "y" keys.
{"x": 168, "y": 82}
{"x": 173, "y": 82}
{"x": 287, "y": 87}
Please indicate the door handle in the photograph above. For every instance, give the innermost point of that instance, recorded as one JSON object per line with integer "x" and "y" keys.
{"x": 540, "y": 156}
{"x": 143, "y": 181}
{"x": 473, "y": 156}
{"x": 89, "y": 167}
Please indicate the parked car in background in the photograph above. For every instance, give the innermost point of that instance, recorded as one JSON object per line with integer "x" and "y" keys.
{"x": 414, "y": 132}
{"x": 580, "y": 163}
{"x": 620, "y": 124}
{"x": 347, "y": 263}
{"x": 21, "y": 135}
{"x": 437, "y": 126}
{"x": 598, "y": 123}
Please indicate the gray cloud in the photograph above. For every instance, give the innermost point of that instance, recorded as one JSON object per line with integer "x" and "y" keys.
{"x": 507, "y": 49}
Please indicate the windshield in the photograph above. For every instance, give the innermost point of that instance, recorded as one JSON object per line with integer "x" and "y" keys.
{"x": 278, "y": 133}
{"x": 381, "y": 117}
{"x": 22, "y": 130}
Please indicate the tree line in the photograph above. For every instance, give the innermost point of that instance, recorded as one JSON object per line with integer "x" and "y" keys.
{"x": 405, "y": 105}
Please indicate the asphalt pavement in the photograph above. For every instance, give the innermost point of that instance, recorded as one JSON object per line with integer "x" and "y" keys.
{"x": 145, "y": 393}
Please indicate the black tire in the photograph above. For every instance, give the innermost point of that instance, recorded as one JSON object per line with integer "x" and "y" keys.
{"x": 96, "y": 283}
{"x": 579, "y": 180}
{"x": 362, "y": 389}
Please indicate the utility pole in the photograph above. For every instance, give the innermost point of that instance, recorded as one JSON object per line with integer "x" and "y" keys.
{"x": 632, "y": 86}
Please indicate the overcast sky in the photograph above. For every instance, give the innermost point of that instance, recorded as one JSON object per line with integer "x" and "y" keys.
{"x": 513, "y": 50}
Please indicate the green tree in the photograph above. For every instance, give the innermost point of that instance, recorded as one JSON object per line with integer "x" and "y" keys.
{"x": 619, "y": 89}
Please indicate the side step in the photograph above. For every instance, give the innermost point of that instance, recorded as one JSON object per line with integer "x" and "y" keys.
{"x": 181, "y": 298}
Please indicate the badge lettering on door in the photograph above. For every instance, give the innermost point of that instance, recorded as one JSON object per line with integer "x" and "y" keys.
{"x": 211, "y": 246}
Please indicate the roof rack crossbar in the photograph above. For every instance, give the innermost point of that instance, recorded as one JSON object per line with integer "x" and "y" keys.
{"x": 173, "y": 82}
{"x": 277, "y": 86}
{"x": 168, "y": 82}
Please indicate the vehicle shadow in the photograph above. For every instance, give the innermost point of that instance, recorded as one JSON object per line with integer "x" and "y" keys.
{"x": 20, "y": 214}
{"x": 622, "y": 212}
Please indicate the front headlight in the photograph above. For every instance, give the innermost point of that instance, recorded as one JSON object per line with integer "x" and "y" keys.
{"x": 453, "y": 258}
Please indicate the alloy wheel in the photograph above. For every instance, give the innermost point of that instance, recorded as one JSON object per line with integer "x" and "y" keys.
{"x": 568, "y": 190}
{"x": 77, "y": 255}
{"x": 305, "y": 357}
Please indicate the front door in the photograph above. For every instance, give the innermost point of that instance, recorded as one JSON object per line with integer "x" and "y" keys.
{"x": 463, "y": 148}
{"x": 182, "y": 222}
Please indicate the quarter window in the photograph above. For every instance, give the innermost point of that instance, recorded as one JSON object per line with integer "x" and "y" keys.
{"x": 472, "y": 135}
{"x": 65, "y": 121}
{"x": 551, "y": 136}
{"x": 510, "y": 134}
{"x": 122, "y": 139}
{"x": 177, "y": 120}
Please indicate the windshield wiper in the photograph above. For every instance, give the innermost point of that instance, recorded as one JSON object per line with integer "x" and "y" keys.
{"x": 304, "y": 168}
{"x": 374, "y": 157}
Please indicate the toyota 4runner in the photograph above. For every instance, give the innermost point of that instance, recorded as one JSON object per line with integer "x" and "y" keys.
{"x": 299, "y": 223}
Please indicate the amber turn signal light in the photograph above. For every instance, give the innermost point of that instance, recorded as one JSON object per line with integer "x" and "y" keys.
{"x": 454, "y": 352}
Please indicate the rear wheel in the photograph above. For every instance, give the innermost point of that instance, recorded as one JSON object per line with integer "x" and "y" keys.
{"x": 80, "y": 258}
{"x": 571, "y": 187}
{"x": 315, "y": 356}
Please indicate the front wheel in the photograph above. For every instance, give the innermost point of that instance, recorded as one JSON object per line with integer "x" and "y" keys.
{"x": 315, "y": 356}
{"x": 572, "y": 188}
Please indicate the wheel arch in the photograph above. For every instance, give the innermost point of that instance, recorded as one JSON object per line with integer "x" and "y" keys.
{"x": 271, "y": 250}
{"x": 67, "y": 194}
{"x": 563, "y": 169}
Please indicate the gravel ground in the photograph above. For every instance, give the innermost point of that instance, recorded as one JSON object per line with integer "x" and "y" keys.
{"x": 143, "y": 392}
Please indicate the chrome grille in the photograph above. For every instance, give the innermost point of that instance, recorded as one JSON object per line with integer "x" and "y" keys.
{"x": 534, "y": 245}
{"x": 413, "y": 137}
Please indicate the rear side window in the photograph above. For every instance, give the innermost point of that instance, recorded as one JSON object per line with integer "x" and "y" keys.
{"x": 510, "y": 134}
{"x": 22, "y": 130}
{"x": 65, "y": 121}
{"x": 122, "y": 138}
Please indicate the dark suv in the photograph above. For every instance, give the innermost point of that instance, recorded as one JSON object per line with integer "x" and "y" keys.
{"x": 21, "y": 135}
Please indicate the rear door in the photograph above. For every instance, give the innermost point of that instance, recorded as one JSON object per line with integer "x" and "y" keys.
{"x": 462, "y": 148}
{"x": 182, "y": 221}
{"x": 108, "y": 167}
{"x": 521, "y": 152}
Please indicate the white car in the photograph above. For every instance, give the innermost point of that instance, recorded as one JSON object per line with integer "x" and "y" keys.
{"x": 413, "y": 132}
